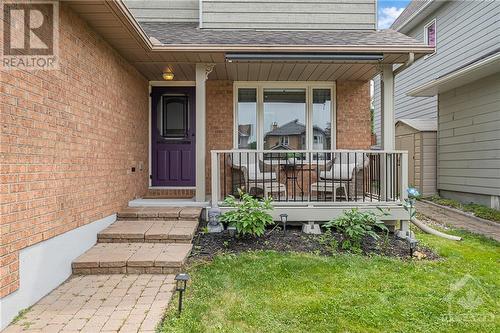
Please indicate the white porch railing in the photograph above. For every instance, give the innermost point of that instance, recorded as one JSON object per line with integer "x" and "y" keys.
{"x": 312, "y": 178}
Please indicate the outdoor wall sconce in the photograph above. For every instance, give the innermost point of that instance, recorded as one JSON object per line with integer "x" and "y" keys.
{"x": 284, "y": 219}
{"x": 412, "y": 242}
{"x": 181, "y": 280}
{"x": 168, "y": 75}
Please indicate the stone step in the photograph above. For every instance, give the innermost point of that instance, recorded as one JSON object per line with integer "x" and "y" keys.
{"x": 132, "y": 258}
{"x": 160, "y": 213}
{"x": 140, "y": 231}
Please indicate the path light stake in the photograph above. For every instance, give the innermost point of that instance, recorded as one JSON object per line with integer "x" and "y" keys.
{"x": 413, "y": 245}
{"x": 284, "y": 219}
{"x": 181, "y": 280}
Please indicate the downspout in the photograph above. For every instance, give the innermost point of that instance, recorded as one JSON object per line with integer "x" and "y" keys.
{"x": 411, "y": 60}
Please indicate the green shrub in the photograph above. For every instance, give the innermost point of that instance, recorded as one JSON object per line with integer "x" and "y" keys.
{"x": 250, "y": 216}
{"x": 483, "y": 212}
{"x": 354, "y": 225}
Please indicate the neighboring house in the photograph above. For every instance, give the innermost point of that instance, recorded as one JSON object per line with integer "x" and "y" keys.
{"x": 292, "y": 135}
{"x": 467, "y": 40}
{"x": 145, "y": 100}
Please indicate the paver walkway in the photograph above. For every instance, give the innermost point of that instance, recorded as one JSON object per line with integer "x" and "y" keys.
{"x": 150, "y": 244}
{"x": 100, "y": 303}
{"x": 447, "y": 217}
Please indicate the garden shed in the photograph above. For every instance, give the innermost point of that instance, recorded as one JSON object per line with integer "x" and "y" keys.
{"x": 419, "y": 138}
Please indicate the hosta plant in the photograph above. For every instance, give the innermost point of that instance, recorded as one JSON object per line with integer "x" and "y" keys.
{"x": 354, "y": 225}
{"x": 250, "y": 215}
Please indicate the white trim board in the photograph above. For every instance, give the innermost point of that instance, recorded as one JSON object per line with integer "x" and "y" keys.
{"x": 45, "y": 265}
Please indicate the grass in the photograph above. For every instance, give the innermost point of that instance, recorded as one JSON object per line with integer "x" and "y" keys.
{"x": 286, "y": 292}
{"x": 478, "y": 210}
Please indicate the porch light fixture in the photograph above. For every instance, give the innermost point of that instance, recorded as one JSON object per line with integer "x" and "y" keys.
{"x": 181, "y": 280}
{"x": 230, "y": 57}
{"x": 284, "y": 219}
{"x": 168, "y": 75}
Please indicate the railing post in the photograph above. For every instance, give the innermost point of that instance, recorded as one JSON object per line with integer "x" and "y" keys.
{"x": 404, "y": 175}
{"x": 405, "y": 224}
{"x": 215, "y": 160}
{"x": 383, "y": 179}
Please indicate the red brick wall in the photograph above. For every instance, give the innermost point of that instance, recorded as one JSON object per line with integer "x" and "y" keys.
{"x": 69, "y": 140}
{"x": 219, "y": 120}
{"x": 353, "y": 115}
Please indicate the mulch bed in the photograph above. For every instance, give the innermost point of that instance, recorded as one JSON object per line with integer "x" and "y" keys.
{"x": 208, "y": 245}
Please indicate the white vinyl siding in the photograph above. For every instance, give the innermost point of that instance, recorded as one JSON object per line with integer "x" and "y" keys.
{"x": 164, "y": 10}
{"x": 469, "y": 138}
{"x": 289, "y": 14}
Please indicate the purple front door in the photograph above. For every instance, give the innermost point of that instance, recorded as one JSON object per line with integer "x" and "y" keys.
{"x": 173, "y": 136}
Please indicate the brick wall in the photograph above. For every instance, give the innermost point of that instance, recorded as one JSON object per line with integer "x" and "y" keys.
{"x": 353, "y": 115}
{"x": 219, "y": 120}
{"x": 69, "y": 140}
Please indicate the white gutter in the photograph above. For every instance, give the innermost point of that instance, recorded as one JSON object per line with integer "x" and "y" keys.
{"x": 473, "y": 72}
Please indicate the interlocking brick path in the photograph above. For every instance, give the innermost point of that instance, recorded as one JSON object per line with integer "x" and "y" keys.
{"x": 100, "y": 303}
{"x": 448, "y": 217}
{"x": 105, "y": 299}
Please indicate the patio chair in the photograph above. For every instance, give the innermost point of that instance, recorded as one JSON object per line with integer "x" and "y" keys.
{"x": 250, "y": 175}
{"x": 344, "y": 172}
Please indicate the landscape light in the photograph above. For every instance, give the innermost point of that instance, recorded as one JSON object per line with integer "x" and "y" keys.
{"x": 181, "y": 280}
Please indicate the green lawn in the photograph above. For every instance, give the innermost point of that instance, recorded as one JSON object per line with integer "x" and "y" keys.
{"x": 278, "y": 292}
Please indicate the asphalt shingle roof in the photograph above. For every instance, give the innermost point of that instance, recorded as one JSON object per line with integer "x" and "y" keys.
{"x": 188, "y": 33}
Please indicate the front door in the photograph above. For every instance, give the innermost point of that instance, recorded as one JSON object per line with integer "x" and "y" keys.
{"x": 173, "y": 136}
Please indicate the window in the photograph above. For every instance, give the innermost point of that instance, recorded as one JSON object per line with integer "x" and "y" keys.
{"x": 285, "y": 141}
{"x": 322, "y": 119}
{"x": 247, "y": 118}
{"x": 284, "y": 118}
{"x": 174, "y": 117}
{"x": 284, "y": 115}
{"x": 430, "y": 36}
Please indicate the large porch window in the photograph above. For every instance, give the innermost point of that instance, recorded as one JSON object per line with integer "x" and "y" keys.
{"x": 284, "y": 115}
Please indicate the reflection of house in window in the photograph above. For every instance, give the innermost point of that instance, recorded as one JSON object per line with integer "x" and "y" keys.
{"x": 244, "y": 133}
{"x": 292, "y": 136}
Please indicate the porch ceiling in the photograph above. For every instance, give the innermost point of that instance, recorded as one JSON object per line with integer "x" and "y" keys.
{"x": 113, "y": 21}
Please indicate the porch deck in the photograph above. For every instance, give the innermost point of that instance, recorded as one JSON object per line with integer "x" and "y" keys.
{"x": 314, "y": 185}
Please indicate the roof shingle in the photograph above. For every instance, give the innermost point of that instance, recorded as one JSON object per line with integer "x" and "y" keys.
{"x": 188, "y": 33}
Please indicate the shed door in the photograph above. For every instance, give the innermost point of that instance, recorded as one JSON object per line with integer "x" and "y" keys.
{"x": 407, "y": 142}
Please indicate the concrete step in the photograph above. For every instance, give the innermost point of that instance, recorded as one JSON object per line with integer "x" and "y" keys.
{"x": 132, "y": 258}
{"x": 147, "y": 231}
{"x": 160, "y": 213}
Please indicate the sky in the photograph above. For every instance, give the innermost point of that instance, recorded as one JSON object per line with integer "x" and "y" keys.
{"x": 388, "y": 11}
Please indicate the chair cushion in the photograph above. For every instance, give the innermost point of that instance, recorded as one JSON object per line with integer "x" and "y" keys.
{"x": 339, "y": 172}
{"x": 256, "y": 174}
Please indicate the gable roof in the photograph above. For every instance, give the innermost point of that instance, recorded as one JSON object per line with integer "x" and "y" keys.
{"x": 422, "y": 125}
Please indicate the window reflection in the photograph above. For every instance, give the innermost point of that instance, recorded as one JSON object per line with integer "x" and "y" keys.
{"x": 322, "y": 123}
{"x": 284, "y": 119}
{"x": 247, "y": 118}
